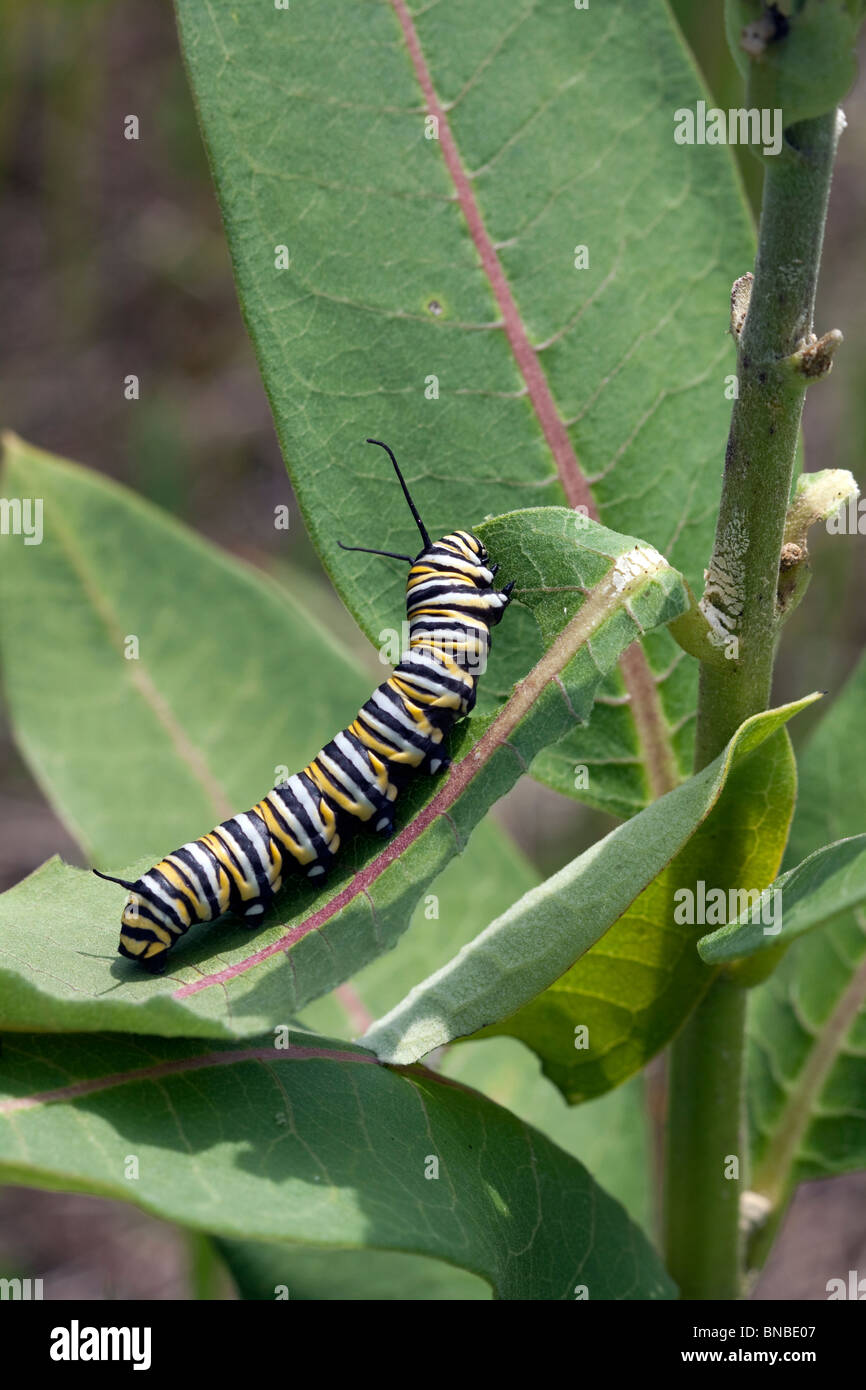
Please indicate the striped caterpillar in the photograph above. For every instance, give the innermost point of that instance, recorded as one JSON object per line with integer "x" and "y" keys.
{"x": 451, "y": 605}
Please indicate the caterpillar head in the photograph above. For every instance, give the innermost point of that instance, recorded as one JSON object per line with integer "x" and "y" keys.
{"x": 460, "y": 556}
{"x": 458, "y": 563}
{"x": 138, "y": 939}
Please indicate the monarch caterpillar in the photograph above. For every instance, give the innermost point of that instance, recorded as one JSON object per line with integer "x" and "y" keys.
{"x": 451, "y": 605}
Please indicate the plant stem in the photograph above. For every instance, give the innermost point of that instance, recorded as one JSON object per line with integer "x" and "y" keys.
{"x": 765, "y": 421}
{"x": 705, "y": 1117}
{"x": 704, "y": 1137}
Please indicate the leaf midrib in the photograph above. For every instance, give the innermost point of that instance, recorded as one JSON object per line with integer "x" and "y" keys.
{"x": 659, "y": 760}
{"x": 160, "y": 1070}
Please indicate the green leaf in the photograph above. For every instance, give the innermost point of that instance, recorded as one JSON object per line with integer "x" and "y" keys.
{"x": 610, "y": 1136}
{"x": 453, "y": 258}
{"x": 241, "y": 1143}
{"x": 807, "y": 1023}
{"x": 634, "y": 991}
{"x": 829, "y": 882}
{"x": 154, "y": 731}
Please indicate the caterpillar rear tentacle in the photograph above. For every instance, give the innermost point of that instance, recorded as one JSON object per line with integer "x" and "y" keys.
{"x": 451, "y": 605}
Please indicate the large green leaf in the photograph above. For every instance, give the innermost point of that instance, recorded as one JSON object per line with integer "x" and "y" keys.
{"x": 413, "y": 258}
{"x": 522, "y": 967}
{"x": 584, "y": 594}
{"x": 242, "y": 1143}
{"x": 610, "y": 1136}
{"x": 807, "y": 1023}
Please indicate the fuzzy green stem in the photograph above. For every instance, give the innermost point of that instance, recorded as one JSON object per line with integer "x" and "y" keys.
{"x": 705, "y": 1117}
{"x": 765, "y": 422}
{"x": 704, "y": 1172}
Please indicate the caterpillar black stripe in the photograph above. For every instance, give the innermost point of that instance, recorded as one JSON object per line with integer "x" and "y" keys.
{"x": 451, "y": 605}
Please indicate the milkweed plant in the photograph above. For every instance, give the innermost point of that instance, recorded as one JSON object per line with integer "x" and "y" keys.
{"x": 512, "y": 244}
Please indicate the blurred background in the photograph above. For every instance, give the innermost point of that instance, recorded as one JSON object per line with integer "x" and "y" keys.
{"x": 114, "y": 262}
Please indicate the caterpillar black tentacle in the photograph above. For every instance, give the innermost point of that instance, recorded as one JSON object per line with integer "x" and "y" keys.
{"x": 451, "y": 605}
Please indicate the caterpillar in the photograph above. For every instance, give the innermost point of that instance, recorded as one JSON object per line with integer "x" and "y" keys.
{"x": 451, "y": 605}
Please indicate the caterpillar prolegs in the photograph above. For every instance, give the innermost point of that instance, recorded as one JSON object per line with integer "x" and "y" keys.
{"x": 451, "y": 605}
